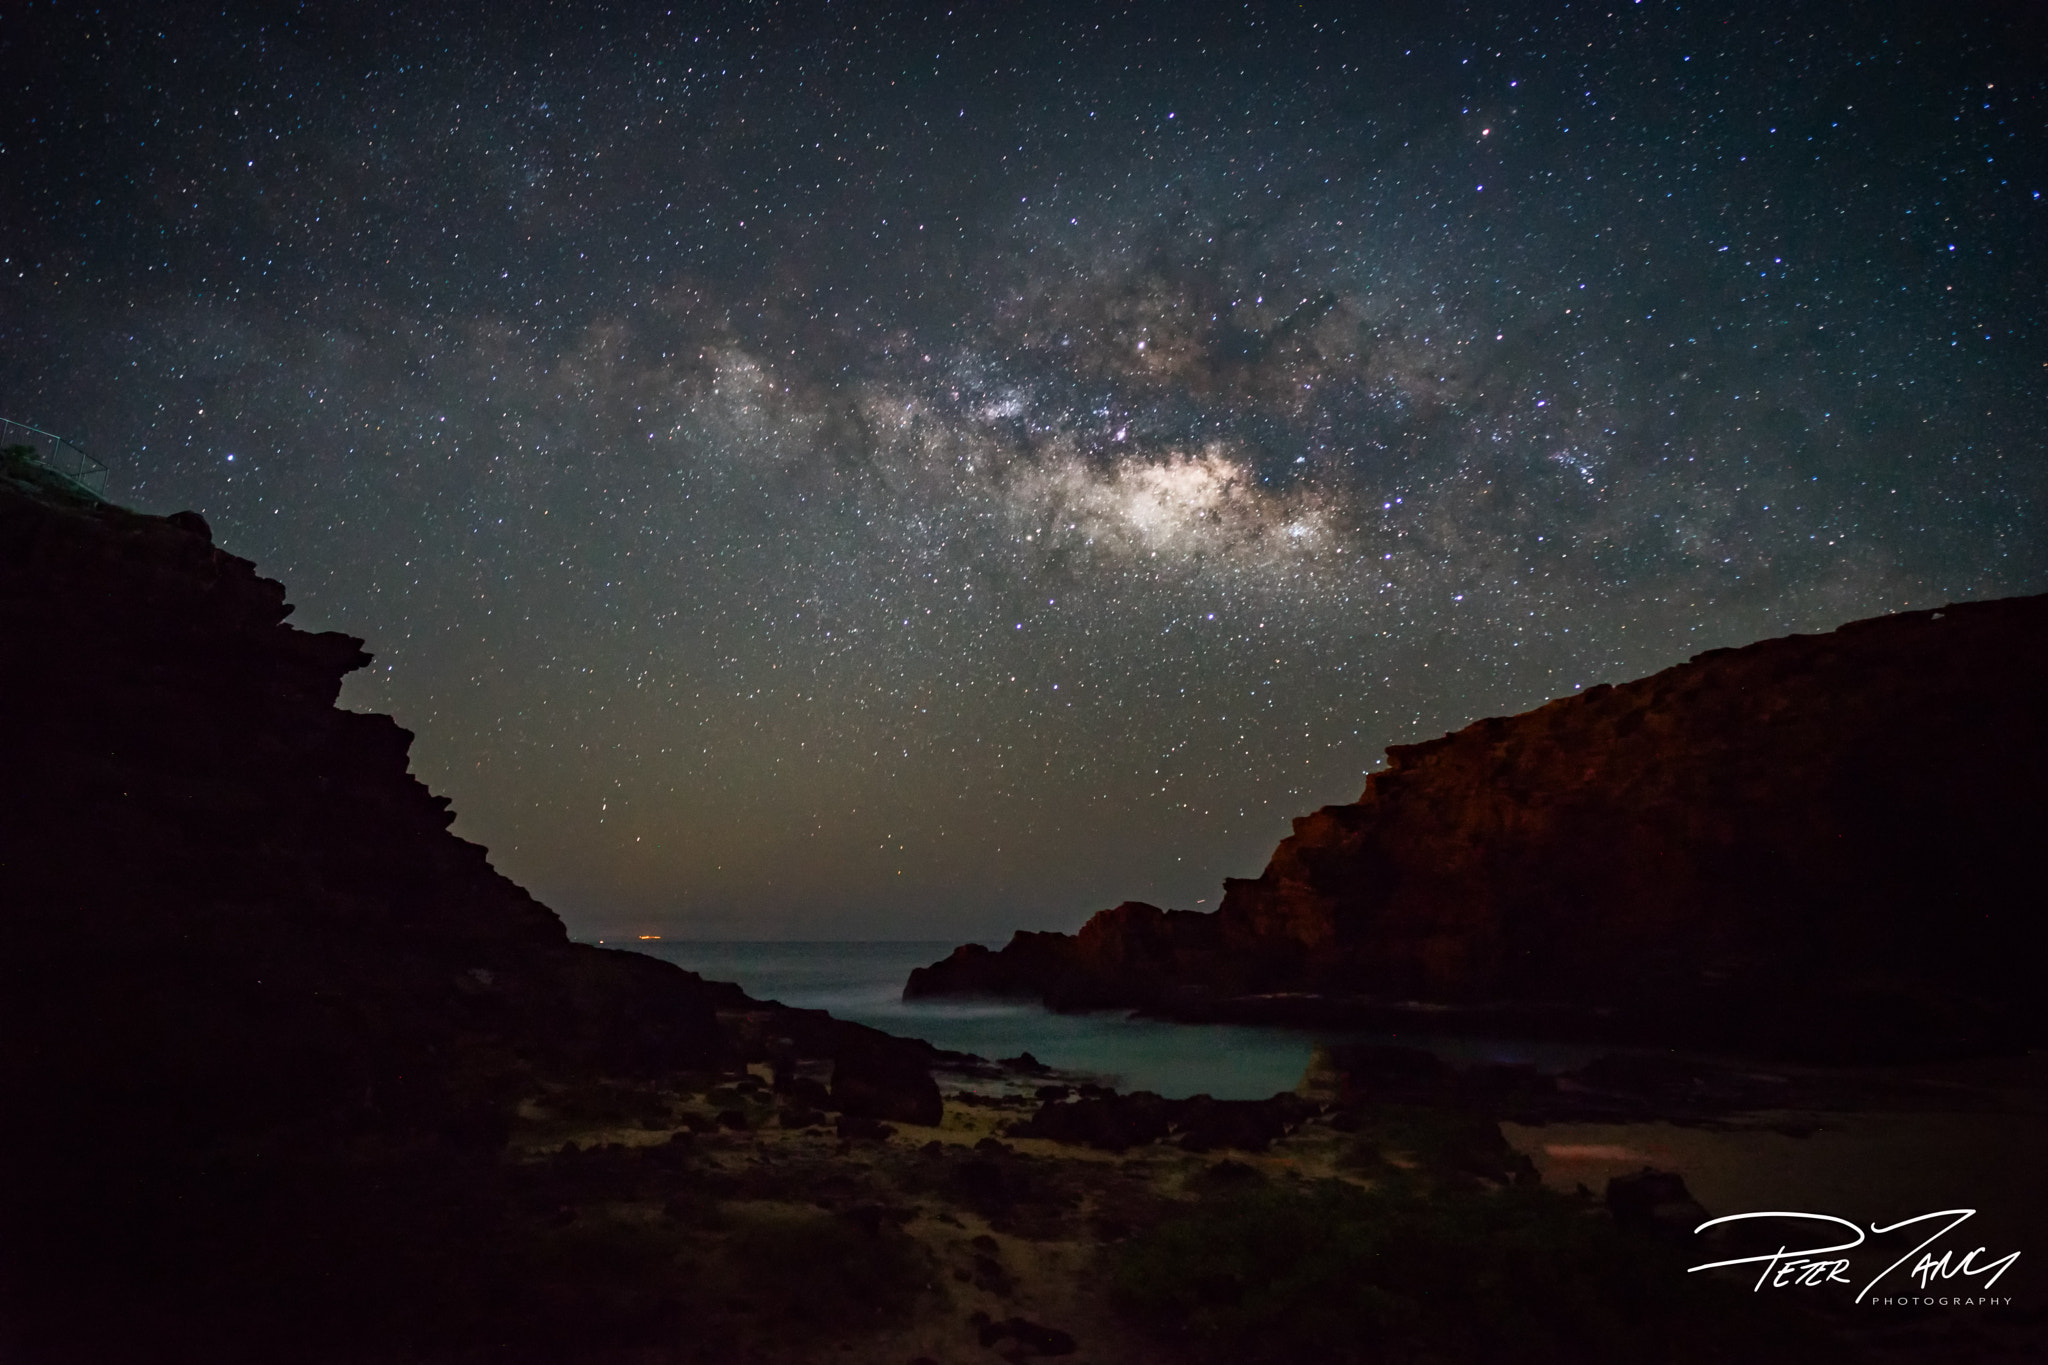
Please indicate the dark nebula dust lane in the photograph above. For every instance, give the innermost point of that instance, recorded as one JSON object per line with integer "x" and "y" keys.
{"x": 820, "y": 471}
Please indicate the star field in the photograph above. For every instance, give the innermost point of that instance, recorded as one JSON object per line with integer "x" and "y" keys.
{"x": 813, "y": 471}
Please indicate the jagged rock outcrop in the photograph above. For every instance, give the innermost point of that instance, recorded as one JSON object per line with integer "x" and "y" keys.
{"x": 252, "y": 990}
{"x": 1824, "y": 845}
{"x": 195, "y": 835}
{"x": 1134, "y": 947}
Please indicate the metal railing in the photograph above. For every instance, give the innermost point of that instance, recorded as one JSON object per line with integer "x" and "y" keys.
{"x": 65, "y": 456}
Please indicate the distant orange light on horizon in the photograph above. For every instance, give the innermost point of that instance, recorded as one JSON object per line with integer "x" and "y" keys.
{"x": 645, "y": 937}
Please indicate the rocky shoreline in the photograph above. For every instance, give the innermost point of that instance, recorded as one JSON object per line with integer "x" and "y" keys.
{"x": 1025, "y": 1223}
{"x": 1816, "y": 847}
{"x": 253, "y": 992}
{"x": 294, "y": 1074}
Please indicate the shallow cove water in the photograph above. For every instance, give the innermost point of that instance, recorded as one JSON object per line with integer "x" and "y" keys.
{"x": 863, "y": 982}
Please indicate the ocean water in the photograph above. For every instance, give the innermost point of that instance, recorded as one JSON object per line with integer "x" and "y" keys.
{"x": 863, "y": 982}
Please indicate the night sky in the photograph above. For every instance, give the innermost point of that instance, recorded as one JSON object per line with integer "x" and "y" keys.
{"x": 812, "y": 472}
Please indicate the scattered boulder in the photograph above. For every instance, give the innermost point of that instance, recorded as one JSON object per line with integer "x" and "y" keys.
{"x": 1206, "y": 1124}
{"x": 1654, "y": 1201}
{"x": 1032, "y": 1337}
{"x": 880, "y": 1082}
{"x": 804, "y": 1090}
{"x": 859, "y": 1128}
{"x": 986, "y": 1272}
{"x": 1113, "y": 1124}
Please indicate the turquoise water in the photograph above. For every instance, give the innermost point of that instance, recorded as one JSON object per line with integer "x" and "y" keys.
{"x": 863, "y": 982}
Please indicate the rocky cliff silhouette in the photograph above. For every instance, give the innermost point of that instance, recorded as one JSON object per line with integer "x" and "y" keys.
{"x": 263, "y": 1020}
{"x": 1822, "y": 846}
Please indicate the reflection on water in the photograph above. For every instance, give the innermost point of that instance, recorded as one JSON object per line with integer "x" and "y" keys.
{"x": 864, "y": 982}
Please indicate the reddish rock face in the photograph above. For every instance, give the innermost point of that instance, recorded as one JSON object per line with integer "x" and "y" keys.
{"x": 1858, "y": 806}
{"x": 1833, "y": 835}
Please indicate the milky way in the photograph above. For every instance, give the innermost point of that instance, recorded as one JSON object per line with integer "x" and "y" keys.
{"x": 805, "y": 472}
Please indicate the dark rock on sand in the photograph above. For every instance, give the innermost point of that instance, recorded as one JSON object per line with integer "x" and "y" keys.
{"x": 1654, "y": 1201}
{"x": 1032, "y": 1337}
{"x": 1206, "y": 1125}
{"x": 860, "y": 1128}
{"x": 1115, "y": 1124}
{"x": 882, "y": 1081}
{"x": 803, "y": 1090}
